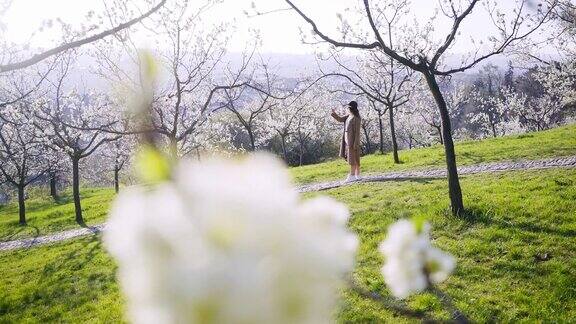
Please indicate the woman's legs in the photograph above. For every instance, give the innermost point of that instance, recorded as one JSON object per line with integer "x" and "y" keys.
{"x": 357, "y": 170}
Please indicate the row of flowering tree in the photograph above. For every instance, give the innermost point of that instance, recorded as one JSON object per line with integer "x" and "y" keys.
{"x": 204, "y": 102}
{"x": 292, "y": 123}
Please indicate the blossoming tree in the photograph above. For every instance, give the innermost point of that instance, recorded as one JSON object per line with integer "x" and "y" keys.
{"x": 23, "y": 157}
{"x": 77, "y": 125}
{"x": 422, "y": 51}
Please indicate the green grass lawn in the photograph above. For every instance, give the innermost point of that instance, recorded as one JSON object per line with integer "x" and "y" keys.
{"x": 45, "y": 216}
{"x": 555, "y": 142}
{"x": 513, "y": 217}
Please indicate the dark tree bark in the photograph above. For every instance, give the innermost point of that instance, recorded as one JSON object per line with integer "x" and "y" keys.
{"x": 381, "y": 130}
{"x": 393, "y": 135}
{"x": 494, "y": 134}
{"x": 439, "y": 131}
{"x": 301, "y": 162}
{"x": 284, "y": 150}
{"x": 368, "y": 142}
{"x": 251, "y": 137}
{"x": 116, "y": 179}
{"x": 76, "y": 189}
{"x": 456, "y": 203}
{"x": 53, "y": 187}
{"x": 21, "y": 205}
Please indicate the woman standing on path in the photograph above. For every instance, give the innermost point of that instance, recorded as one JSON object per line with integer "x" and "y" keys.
{"x": 350, "y": 145}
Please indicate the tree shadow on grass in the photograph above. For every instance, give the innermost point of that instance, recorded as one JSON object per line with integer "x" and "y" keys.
{"x": 17, "y": 229}
{"x": 64, "y": 278}
{"x": 78, "y": 257}
{"x": 476, "y": 159}
{"x": 67, "y": 282}
{"x": 63, "y": 200}
{"x": 339, "y": 184}
{"x": 478, "y": 216}
{"x": 421, "y": 180}
{"x": 9, "y": 234}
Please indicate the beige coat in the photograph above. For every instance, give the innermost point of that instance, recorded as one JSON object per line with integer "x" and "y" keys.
{"x": 350, "y": 144}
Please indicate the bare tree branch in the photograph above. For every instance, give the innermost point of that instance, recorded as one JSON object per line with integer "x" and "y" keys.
{"x": 67, "y": 46}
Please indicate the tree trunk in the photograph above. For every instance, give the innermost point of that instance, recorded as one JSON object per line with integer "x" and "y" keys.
{"x": 381, "y": 130}
{"x": 493, "y": 126}
{"x": 116, "y": 179}
{"x": 368, "y": 143}
{"x": 53, "y": 187}
{"x": 284, "y": 152}
{"x": 456, "y": 203}
{"x": 76, "y": 190}
{"x": 173, "y": 149}
{"x": 21, "y": 205}
{"x": 301, "y": 154}
{"x": 393, "y": 135}
{"x": 251, "y": 137}
{"x": 439, "y": 130}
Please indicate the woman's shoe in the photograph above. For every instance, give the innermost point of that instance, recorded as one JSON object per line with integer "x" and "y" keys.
{"x": 350, "y": 178}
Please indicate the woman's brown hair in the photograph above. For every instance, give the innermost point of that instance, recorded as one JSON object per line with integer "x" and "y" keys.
{"x": 353, "y": 106}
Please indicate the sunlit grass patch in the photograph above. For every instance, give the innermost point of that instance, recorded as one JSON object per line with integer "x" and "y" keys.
{"x": 515, "y": 254}
{"x": 45, "y": 216}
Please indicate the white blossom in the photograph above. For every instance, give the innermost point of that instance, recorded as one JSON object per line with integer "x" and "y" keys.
{"x": 411, "y": 262}
{"x": 229, "y": 242}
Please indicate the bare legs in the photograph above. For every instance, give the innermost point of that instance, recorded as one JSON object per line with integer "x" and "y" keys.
{"x": 355, "y": 170}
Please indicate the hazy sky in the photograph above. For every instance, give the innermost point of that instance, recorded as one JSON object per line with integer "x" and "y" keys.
{"x": 280, "y": 31}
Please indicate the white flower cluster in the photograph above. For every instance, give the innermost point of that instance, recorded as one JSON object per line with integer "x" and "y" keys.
{"x": 229, "y": 242}
{"x": 411, "y": 262}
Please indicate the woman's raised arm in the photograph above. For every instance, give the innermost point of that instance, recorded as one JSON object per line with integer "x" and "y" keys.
{"x": 338, "y": 117}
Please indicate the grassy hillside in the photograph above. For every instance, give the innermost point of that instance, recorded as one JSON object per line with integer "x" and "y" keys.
{"x": 555, "y": 142}
{"x": 515, "y": 217}
{"x": 46, "y": 216}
